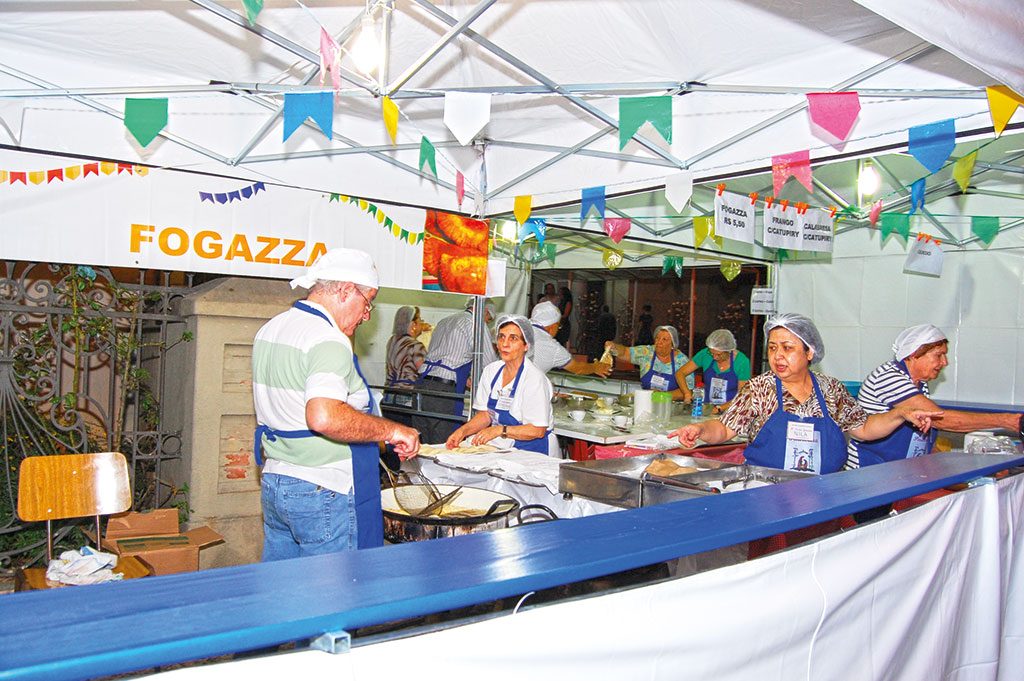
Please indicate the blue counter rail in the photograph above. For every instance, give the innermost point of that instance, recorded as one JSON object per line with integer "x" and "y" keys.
{"x": 80, "y": 632}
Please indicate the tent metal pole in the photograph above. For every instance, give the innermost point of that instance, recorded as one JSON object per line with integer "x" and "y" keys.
{"x": 906, "y": 55}
{"x": 924, "y": 211}
{"x": 410, "y": 146}
{"x": 551, "y": 161}
{"x": 902, "y": 93}
{"x": 1004, "y": 167}
{"x": 265, "y": 128}
{"x": 628, "y": 158}
{"x": 541, "y": 78}
{"x": 452, "y": 33}
{"x": 1004, "y": 228}
{"x": 993, "y": 192}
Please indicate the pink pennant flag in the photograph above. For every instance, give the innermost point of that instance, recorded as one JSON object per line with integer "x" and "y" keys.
{"x": 616, "y": 228}
{"x": 330, "y": 59}
{"x": 797, "y": 164}
{"x": 876, "y": 210}
{"x": 834, "y": 113}
{"x": 460, "y": 186}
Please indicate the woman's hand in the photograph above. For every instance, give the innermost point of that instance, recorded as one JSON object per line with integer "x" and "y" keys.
{"x": 486, "y": 435}
{"x": 601, "y": 369}
{"x": 919, "y": 418}
{"x": 455, "y": 439}
{"x": 688, "y": 434}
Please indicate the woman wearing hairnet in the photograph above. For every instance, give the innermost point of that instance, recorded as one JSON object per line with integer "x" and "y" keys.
{"x": 513, "y": 404}
{"x": 725, "y": 369}
{"x": 919, "y": 356}
{"x": 795, "y": 419}
{"x": 661, "y": 365}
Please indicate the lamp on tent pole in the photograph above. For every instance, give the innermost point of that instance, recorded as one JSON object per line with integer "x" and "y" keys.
{"x": 366, "y": 49}
{"x": 385, "y": 45}
{"x": 868, "y": 180}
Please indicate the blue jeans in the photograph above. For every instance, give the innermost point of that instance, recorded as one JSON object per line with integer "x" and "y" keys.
{"x": 303, "y": 519}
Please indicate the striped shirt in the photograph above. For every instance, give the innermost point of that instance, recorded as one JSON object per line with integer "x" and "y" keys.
{"x": 452, "y": 345}
{"x": 884, "y": 387}
{"x": 296, "y": 357}
{"x": 548, "y": 353}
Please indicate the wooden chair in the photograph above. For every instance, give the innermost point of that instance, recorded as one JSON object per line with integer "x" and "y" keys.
{"x": 62, "y": 486}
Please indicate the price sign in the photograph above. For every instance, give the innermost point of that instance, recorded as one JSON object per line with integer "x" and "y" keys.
{"x": 762, "y": 300}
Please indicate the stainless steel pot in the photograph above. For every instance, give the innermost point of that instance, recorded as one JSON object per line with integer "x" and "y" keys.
{"x": 494, "y": 510}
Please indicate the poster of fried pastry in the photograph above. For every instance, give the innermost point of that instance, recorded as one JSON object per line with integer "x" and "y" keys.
{"x": 455, "y": 253}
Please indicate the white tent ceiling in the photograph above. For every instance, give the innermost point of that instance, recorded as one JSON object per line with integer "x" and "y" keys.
{"x": 740, "y": 70}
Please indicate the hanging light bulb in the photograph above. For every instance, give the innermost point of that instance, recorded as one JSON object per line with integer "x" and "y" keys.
{"x": 508, "y": 230}
{"x": 365, "y": 51}
{"x": 868, "y": 179}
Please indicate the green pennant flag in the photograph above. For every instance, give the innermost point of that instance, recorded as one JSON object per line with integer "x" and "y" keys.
{"x": 145, "y": 118}
{"x": 388, "y": 222}
{"x": 334, "y": 197}
{"x": 252, "y": 10}
{"x": 898, "y": 222}
{"x": 549, "y": 252}
{"x": 372, "y": 209}
{"x": 985, "y": 228}
{"x": 635, "y": 111}
{"x": 782, "y": 254}
{"x": 427, "y": 155}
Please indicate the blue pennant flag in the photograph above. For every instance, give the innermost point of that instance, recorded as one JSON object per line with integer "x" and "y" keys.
{"x": 932, "y": 144}
{"x": 592, "y": 198}
{"x": 916, "y": 196}
{"x": 205, "y": 196}
{"x": 234, "y": 196}
{"x": 298, "y": 106}
{"x": 221, "y": 198}
{"x": 537, "y": 226}
{"x": 247, "y": 192}
{"x": 258, "y": 187}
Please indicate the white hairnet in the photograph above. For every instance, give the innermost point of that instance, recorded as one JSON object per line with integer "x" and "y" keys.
{"x": 545, "y": 314}
{"x": 340, "y": 264}
{"x": 800, "y": 326}
{"x": 721, "y": 340}
{"x": 519, "y": 320}
{"x": 911, "y": 339}
{"x": 671, "y": 331}
{"x": 403, "y": 319}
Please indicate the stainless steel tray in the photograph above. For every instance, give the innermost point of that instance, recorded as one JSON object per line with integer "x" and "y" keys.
{"x": 662, "y": 490}
{"x": 617, "y": 481}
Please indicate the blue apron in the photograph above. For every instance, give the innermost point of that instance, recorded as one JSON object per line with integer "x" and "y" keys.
{"x": 670, "y": 379}
{"x": 813, "y": 444}
{"x": 461, "y": 376}
{"x": 722, "y": 385}
{"x": 365, "y": 460}
{"x": 903, "y": 443}
{"x": 539, "y": 444}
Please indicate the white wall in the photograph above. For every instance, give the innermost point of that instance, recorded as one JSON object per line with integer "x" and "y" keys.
{"x": 861, "y": 303}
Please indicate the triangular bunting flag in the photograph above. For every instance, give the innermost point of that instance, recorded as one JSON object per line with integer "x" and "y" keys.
{"x": 834, "y": 113}
{"x": 916, "y": 196}
{"x": 536, "y": 226}
{"x": 521, "y": 207}
{"x": 550, "y": 253}
{"x": 428, "y": 155}
{"x": 252, "y": 10}
{"x": 704, "y": 227}
{"x": 985, "y": 228}
{"x": 782, "y": 254}
{"x": 460, "y": 187}
{"x": 330, "y": 59}
{"x": 898, "y": 222}
{"x": 90, "y": 169}
{"x": 591, "y": 198}
{"x": 205, "y": 196}
{"x": 932, "y": 144}
{"x": 876, "y": 210}
{"x": 389, "y": 112}
{"x": 635, "y": 111}
{"x": 73, "y": 172}
{"x": 964, "y": 168}
{"x": 797, "y": 164}
{"x": 37, "y": 176}
{"x": 145, "y": 118}
{"x": 616, "y": 228}
{"x": 298, "y": 106}
{"x": 730, "y": 269}
{"x": 55, "y": 174}
{"x": 1002, "y": 102}
{"x": 17, "y": 177}
{"x": 466, "y": 114}
{"x": 611, "y": 258}
{"x": 679, "y": 189}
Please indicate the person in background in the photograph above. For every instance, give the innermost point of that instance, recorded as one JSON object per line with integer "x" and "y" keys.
{"x": 661, "y": 365}
{"x": 725, "y": 369}
{"x": 795, "y": 418}
{"x": 607, "y": 328}
{"x": 405, "y": 354}
{"x": 513, "y": 407}
{"x": 565, "y": 307}
{"x": 919, "y": 356}
{"x": 550, "y": 296}
{"x": 644, "y": 324}
{"x": 447, "y": 368}
{"x": 317, "y": 423}
{"x": 548, "y": 354}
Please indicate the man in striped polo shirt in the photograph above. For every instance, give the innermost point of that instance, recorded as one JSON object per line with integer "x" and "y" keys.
{"x": 318, "y": 426}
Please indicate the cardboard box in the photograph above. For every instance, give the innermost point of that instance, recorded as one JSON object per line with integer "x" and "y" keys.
{"x": 154, "y": 537}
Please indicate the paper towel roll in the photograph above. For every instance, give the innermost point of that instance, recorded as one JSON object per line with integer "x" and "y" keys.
{"x": 642, "y": 405}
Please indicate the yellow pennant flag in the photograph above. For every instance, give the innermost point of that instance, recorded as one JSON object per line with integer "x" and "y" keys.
{"x": 522, "y": 207}
{"x": 730, "y": 269}
{"x": 72, "y": 172}
{"x": 390, "y": 112}
{"x": 963, "y": 168}
{"x": 141, "y": 170}
{"x": 704, "y": 227}
{"x": 37, "y": 176}
{"x": 106, "y": 167}
{"x": 1002, "y": 102}
{"x": 3, "y": 176}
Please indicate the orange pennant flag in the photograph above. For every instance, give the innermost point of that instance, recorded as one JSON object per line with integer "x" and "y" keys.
{"x": 1002, "y": 102}
{"x": 72, "y": 172}
{"x": 106, "y": 167}
{"x": 522, "y": 207}
{"x": 37, "y": 176}
{"x": 389, "y": 110}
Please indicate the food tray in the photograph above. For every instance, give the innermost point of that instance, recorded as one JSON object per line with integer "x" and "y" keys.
{"x": 662, "y": 490}
{"x": 617, "y": 481}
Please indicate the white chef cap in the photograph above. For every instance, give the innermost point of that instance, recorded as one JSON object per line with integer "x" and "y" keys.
{"x": 914, "y": 337}
{"x": 721, "y": 340}
{"x": 341, "y": 264}
{"x": 545, "y": 314}
{"x": 802, "y": 327}
{"x": 519, "y": 320}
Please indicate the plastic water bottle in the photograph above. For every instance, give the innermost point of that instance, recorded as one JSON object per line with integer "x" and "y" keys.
{"x": 698, "y": 402}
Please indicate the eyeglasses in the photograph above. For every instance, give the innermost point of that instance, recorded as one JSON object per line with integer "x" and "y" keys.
{"x": 369, "y": 305}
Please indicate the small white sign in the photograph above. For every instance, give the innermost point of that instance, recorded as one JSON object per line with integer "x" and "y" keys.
{"x": 762, "y": 301}
{"x": 925, "y": 257}
{"x": 802, "y": 432}
{"x": 783, "y": 228}
{"x": 734, "y": 217}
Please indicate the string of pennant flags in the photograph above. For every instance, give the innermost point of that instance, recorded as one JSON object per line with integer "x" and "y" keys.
{"x": 70, "y": 173}
{"x": 236, "y": 195}
{"x": 396, "y": 230}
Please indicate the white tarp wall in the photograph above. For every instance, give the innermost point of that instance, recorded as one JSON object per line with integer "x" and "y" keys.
{"x": 935, "y": 593}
